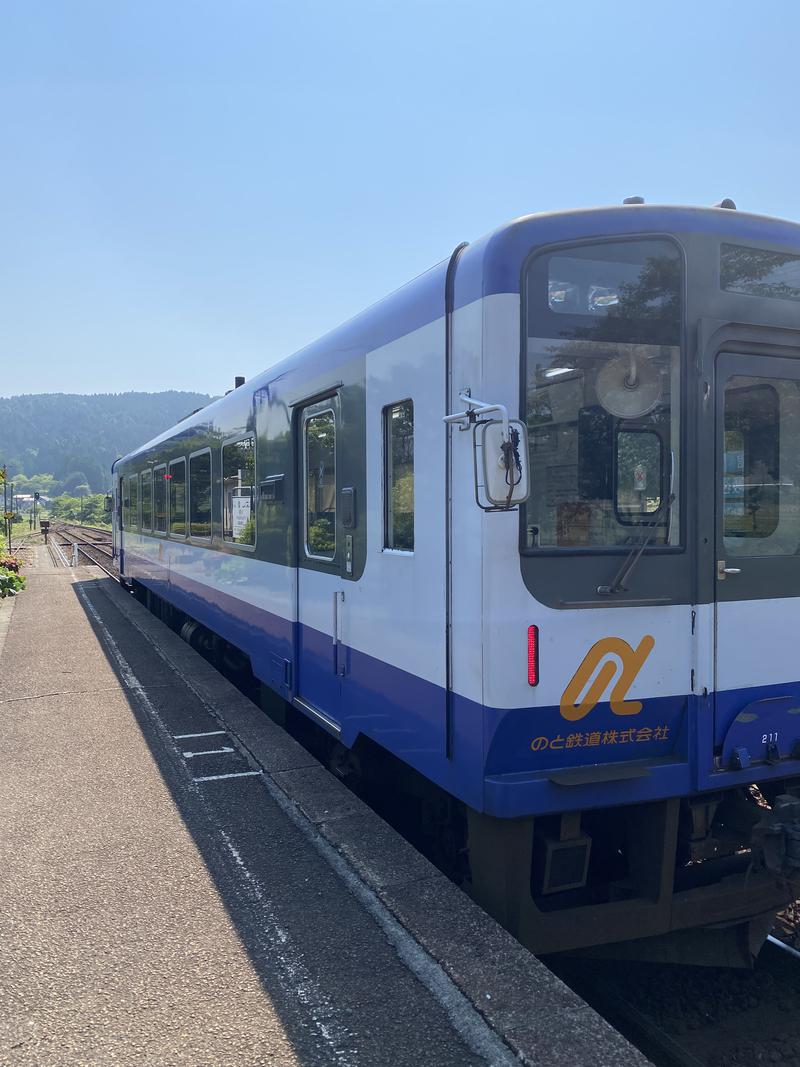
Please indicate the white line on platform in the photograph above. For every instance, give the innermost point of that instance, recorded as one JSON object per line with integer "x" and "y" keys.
{"x": 218, "y": 777}
{"x": 207, "y": 752}
{"x": 208, "y": 733}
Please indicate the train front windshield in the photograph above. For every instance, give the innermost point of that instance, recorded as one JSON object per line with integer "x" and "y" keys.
{"x": 603, "y": 407}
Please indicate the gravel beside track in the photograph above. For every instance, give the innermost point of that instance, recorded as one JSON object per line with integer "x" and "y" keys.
{"x": 699, "y": 1016}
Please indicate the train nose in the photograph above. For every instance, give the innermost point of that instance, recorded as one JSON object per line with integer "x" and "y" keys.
{"x": 764, "y": 731}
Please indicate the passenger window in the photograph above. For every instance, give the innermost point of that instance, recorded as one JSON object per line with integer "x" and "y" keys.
{"x": 200, "y": 495}
{"x": 177, "y": 497}
{"x": 399, "y": 476}
{"x": 133, "y": 494}
{"x": 160, "y": 499}
{"x": 319, "y": 467}
{"x": 640, "y": 475}
{"x": 147, "y": 500}
{"x": 238, "y": 489}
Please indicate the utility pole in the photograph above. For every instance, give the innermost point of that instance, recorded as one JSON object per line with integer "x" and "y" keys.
{"x": 4, "y": 479}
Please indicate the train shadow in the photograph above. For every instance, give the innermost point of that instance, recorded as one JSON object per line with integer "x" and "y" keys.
{"x": 280, "y": 911}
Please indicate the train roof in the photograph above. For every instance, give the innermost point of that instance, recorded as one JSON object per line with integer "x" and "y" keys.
{"x": 488, "y": 266}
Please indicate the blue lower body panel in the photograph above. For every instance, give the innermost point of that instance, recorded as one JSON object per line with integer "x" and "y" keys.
{"x": 506, "y": 763}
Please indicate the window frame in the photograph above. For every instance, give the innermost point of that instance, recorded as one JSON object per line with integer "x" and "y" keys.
{"x": 248, "y": 436}
{"x": 176, "y": 536}
{"x": 309, "y": 413}
{"x": 682, "y": 467}
{"x": 165, "y": 532}
{"x": 386, "y": 418}
{"x": 194, "y": 455}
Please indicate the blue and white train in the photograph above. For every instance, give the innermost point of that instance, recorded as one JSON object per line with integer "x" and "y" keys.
{"x": 531, "y": 526}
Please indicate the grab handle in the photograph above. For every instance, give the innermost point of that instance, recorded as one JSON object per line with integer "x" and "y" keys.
{"x": 335, "y": 631}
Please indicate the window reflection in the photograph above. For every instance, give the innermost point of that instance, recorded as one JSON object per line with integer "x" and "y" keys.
{"x": 238, "y": 486}
{"x": 399, "y": 476}
{"x": 147, "y": 500}
{"x": 133, "y": 496}
{"x": 761, "y": 467}
{"x": 320, "y": 474}
{"x": 603, "y": 393}
{"x": 200, "y": 495}
{"x": 160, "y": 500}
{"x": 177, "y": 498}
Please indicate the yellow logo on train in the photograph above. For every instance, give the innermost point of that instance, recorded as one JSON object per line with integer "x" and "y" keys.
{"x": 596, "y": 673}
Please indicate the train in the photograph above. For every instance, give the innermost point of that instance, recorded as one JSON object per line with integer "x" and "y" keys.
{"x": 526, "y": 533}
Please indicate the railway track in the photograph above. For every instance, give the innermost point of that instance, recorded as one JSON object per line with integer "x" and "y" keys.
{"x": 682, "y": 1016}
{"x": 93, "y": 544}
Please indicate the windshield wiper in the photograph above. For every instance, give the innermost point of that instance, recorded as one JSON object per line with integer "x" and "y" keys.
{"x": 635, "y": 554}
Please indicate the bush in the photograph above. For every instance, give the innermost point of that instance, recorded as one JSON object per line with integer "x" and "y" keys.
{"x": 11, "y": 583}
{"x": 10, "y": 563}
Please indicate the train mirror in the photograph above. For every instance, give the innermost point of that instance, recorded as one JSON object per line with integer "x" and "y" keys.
{"x": 108, "y": 503}
{"x": 504, "y": 465}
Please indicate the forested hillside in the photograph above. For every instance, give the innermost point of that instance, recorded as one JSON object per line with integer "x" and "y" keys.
{"x": 75, "y": 438}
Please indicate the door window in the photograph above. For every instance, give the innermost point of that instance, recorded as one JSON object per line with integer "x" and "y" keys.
{"x": 319, "y": 449}
{"x": 399, "y": 476}
{"x": 761, "y": 467}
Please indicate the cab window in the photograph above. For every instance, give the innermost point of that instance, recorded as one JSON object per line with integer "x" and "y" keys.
{"x": 602, "y": 403}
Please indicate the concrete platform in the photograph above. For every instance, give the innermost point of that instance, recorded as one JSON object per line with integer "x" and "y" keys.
{"x": 183, "y": 884}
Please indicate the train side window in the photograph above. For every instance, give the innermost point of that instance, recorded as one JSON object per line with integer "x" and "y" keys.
{"x": 398, "y": 478}
{"x": 200, "y": 494}
{"x": 319, "y": 473}
{"x": 177, "y": 497}
{"x": 133, "y": 496}
{"x": 147, "y": 500}
{"x": 160, "y": 499}
{"x": 125, "y": 490}
{"x": 238, "y": 492}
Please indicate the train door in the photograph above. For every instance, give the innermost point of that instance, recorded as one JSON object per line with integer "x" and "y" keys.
{"x": 320, "y": 589}
{"x": 757, "y": 581}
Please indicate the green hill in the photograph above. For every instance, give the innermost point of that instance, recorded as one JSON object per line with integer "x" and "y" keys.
{"x": 76, "y": 438}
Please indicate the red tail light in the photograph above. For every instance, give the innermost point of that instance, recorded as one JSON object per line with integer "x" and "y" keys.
{"x": 533, "y": 655}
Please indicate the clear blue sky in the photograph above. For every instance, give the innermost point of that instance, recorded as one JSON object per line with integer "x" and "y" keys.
{"x": 191, "y": 190}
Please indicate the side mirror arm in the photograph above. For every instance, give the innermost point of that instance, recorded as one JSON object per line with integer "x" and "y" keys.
{"x": 475, "y": 409}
